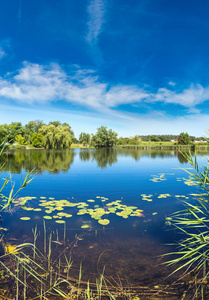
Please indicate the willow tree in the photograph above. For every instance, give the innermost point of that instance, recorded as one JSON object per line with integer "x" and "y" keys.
{"x": 55, "y": 137}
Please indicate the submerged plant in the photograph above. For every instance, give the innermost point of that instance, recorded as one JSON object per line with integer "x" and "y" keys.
{"x": 193, "y": 223}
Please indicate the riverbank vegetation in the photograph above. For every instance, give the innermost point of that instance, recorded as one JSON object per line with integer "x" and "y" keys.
{"x": 57, "y": 135}
{"x": 192, "y": 222}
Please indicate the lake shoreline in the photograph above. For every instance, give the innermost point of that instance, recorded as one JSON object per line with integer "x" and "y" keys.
{"x": 164, "y": 147}
{"x": 142, "y": 147}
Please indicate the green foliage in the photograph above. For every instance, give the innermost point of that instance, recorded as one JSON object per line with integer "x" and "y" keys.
{"x": 128, "y": 141}
{"x": 155, "y": 138}
{"x": 192, "y": 222}
{"x": 104, "y": 137}
{"x": 6, "y": 200}
{"x": 184, "y": 139}
{"x": 30, "y": 128}
{"x": 84, "y": 138}
{"x": 10, "y": 131}
{"x": 37, "y": 140}
{"x": 4, "y": 132}
{"x": 55, "y": 137}
{"x": 19, "y": 139}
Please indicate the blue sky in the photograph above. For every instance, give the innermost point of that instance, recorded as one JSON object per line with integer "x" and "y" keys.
{"x": 138, "y": 67}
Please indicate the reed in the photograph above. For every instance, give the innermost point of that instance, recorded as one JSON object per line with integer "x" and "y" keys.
{"x": 193, "y": 223}
{"x": 44, "y": 223}
{"x": 35, "y": 236}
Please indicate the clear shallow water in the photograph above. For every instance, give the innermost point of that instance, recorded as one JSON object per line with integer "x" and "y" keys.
{"x": 129, "y": 247}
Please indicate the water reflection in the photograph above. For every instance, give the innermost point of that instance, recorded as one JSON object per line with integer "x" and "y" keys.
{"x": 57, "y": 161}
{"x": 41, "y": 160}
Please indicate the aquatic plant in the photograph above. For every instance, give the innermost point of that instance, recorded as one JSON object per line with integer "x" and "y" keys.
{"x": 192, "y": 222}
{"x": 52, "y": 275}
{"x": 6, "y": 201}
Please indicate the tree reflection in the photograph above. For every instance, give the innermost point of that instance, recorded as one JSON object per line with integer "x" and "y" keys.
{"x": 104, "y": 157}
{"x": 85, "y": 155}
{"x": 56, "y": 161}
{"x": 182, "y": 158}
{"x": 40, "y": 160}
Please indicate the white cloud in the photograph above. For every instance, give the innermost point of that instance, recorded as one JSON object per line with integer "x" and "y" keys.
{"x": 2, "y": 53}
{"x": 190, "y": 97}
{"x": 35, "y": 83}
{"x": 172, "y": 83}
{"x": 96, "y": 11}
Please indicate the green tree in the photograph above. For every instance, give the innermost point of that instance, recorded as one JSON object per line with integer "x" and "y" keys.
{"x": 34, "y": 126}
{"x": 69, "y": 129}
{"x": 30, "y": 128}
{"x": 184, "y": 139}
{"x": 84, "y": 138}
{"x": 13, "y": 130}
{"x": 19, "y": 139}
{"x": 104, "y": 137}
{"x": 155, "y": 138}
{"x": 55, "y": 123}
{"x": 37, "y": 140}
{"x": 55, "y": 137}
{"x": 4, "y": 132}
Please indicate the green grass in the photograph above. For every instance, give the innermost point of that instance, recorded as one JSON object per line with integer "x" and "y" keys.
{"x": 164, "y": 145}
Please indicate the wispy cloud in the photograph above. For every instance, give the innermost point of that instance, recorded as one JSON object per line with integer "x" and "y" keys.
{"x": 35, "y": 83}
{"x": 189, "y": 97}
{"x": 2, "y": 53}
{"x": 96, "y": 11}
{"x": 172, "y": 83}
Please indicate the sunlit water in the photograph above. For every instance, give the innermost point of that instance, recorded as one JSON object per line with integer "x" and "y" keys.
{"x": 130, "y": 248}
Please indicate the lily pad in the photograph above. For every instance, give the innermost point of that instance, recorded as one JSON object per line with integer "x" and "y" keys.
{"x": 47, "y": 217}
{"x": 25, "y": 218}
{"x": 104, "y": 221}
{"x": 86, "y": 226}
{"x": 60, "y": 221}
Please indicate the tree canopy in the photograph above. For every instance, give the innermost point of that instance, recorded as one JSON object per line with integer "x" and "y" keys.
{"x": 55, "y": 137}
{"x": 84, "y": 138}
{"x": 184, "y": 139}
{"x": 104, "y": 137}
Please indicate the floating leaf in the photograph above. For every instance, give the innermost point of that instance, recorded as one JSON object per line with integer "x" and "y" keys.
{"x": 86, "y": 226}
{"x": 59, "y": 208}
{"x": 60, "y": 221}
{"x": 25, "y": 218}
{"x": 47, "y": 217}
{"x": 68, "y": 216}
{"x": 104, "y": 221}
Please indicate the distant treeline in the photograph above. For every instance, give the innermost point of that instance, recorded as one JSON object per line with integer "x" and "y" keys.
{"x": 168, "y": 137}
{"x": 57, "y": 135}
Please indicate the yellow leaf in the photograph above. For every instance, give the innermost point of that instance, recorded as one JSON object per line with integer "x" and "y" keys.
{"x": 10, "y": 249}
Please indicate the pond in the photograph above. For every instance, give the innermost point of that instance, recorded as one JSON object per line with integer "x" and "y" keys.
{"x": 104, "y": 208}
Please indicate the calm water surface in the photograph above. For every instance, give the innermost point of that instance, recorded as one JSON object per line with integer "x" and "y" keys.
{"x": 129, "y": 248}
